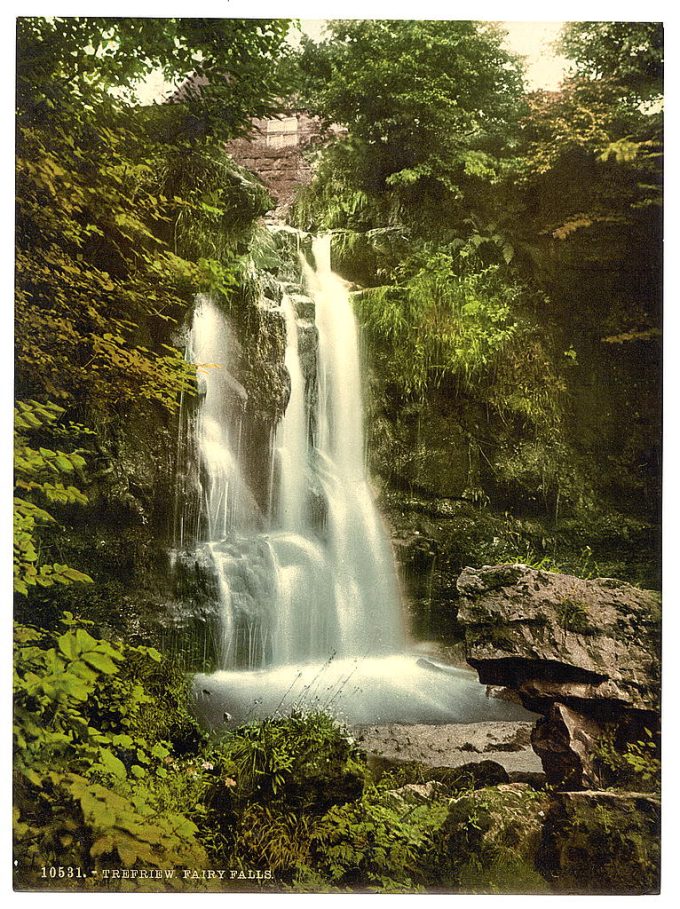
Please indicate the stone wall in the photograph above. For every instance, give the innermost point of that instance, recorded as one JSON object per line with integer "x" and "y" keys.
{"x": 277, "y": 151}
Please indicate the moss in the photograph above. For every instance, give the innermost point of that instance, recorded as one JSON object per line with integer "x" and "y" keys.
{"x": 496, "y": 636}
{"x": 489, "y": 842}
{"x": 455, "y": 780}
{"x": 603, "y": 843}
{"x": 573, "y": 616}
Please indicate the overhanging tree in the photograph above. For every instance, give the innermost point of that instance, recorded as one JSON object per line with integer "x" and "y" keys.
{"x": 101, "y": 274}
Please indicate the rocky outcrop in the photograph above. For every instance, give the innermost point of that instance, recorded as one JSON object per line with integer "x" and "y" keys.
{"x": 583, "y": 653}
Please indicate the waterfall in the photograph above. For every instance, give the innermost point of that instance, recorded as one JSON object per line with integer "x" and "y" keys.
{"x": 291, "y": 437}
{"x": 309, "y": 601}
{"x": 302, "y": 593}
{"x": 366, "y": 591}
{"x": 227, "y": 500}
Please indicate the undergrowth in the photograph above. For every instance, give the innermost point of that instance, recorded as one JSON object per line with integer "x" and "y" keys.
{"x": 112, "y": 772}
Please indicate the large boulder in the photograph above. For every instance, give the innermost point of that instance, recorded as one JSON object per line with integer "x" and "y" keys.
{"x": 583, "y": 653}
{"x": 501, "y": 751}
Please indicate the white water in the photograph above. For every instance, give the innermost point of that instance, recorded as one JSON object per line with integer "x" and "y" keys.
{"x": 307, "y": 592}
{"x": 228, "y": 502}
{"x": 291, "y": 436}
{"x": 367, "y": 601}
{"x": 310, "y": 609}
{"x": 400, "y": 688}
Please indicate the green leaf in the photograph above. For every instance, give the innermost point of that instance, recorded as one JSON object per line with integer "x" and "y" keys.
{"x": 74, "y": 575}
{"x": 112, "y": 764}
{"x": 85, "y": 641}
{"x": 63, "y": 463}
{"x": 33, "y": 777}
{"x": 103, "y": 845}
{"x": 68, "y": 644}
{"x": 100, "y": 661}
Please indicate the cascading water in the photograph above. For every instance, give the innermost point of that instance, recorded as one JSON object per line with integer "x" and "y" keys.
{"x": 226, "y": 496}
{"x": 291, "y": 438}
{"x": 366, "y": 590}
{"x": 227, "y": 504}
{"x": 310, "y": 605}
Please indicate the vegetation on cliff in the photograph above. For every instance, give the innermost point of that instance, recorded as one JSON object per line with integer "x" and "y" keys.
{"x": 124, "y": 213}
{"x": 507, "y": 248}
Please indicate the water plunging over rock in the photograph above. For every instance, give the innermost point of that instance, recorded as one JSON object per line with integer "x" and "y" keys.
{"x": 309, "y": 601}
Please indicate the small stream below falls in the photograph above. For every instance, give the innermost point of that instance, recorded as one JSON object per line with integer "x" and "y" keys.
{"x": 310, "y": 611}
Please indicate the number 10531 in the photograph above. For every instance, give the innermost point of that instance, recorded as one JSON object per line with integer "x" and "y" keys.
{"x": 57, "y": 871}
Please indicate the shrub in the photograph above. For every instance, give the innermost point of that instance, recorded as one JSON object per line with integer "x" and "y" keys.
{"x": 95, "y": 783}
{"x": 304, "y": 760}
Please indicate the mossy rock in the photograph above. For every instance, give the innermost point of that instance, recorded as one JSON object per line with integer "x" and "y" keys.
{"x": 603, "y": 843}
{"x": 490, "y": 840}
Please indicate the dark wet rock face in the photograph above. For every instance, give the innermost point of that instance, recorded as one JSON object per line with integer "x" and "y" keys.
{"x": 583, "y": 653}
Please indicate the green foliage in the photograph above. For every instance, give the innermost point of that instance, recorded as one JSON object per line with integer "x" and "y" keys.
{"x": 501, "y": 252}
{"x": 98, "y": 60}
{"x": 39, "y": 473}
{"x": 419, "y": 98}
{"x": 489, "y": 840}
{"x": 641, "y": 758}
{"x": 450, "y": 322}
{"x": 94, "y": 785}
{"x": 304, "y": 759}
{"x": 220, "y": 202}
{"x": 92, "y": 276}
{"x": 546, "y": 464}
{"x": 106, "y": 200}
{"x": 276, "y": 837}
{"x": 431, "y": 108}
{"x": 593, "y": 156}
{"x": 605, "y": 846}
{"x": 573, "y": 616}
{"x": 439, "y": 322}
{"x": 367, "y": 844}
{"x": 636, "y": 766}
{"x": 630, "y": 54}
{"x": 592, "y": 544}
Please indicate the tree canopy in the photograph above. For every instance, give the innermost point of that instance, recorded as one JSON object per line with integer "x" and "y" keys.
{"x": 108, "y": 193}
{"x": 626, "y": 54}
{"x": 475, "y": 209}
{"x": 428, "y": 105}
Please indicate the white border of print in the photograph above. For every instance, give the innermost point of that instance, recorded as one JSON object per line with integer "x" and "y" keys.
{"x": 497, "y": 10}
